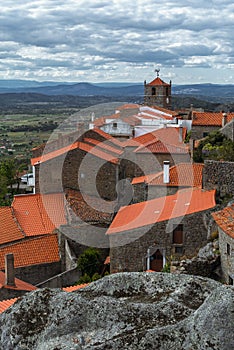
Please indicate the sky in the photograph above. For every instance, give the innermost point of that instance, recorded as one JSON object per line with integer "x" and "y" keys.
{"x": 190, "y": 41}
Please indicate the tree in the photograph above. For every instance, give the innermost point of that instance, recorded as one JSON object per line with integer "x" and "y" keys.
{"x": 89, "y": 261}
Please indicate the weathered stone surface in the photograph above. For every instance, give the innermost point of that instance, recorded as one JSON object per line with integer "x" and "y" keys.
{"x": 125, "y": 311}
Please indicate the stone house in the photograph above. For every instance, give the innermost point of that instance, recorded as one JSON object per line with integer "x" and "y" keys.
{"x": 225, "y": 222}
{"x": 89, "y": 164}
{"x": 143, "y": 236}
{"x": 205, "y": 122}
{"x": 149, "y": 151}
{"x": 26, "y": 230}
{"x": 168, "y": 181}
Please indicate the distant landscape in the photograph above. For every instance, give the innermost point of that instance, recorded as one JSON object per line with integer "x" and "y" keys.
{"x": 30, "y": 110}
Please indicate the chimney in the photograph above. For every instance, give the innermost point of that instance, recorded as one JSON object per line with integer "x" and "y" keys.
{"x": 166, "y": 165}
{"x": 9, "y": 270}
{"x": 224, "y": 119}
{"x": 180, "y": 133}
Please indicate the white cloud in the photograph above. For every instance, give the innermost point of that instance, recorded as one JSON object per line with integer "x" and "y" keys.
{"x": 116, "y": 40}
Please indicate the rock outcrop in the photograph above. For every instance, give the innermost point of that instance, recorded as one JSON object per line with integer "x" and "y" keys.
{"x": 125, "y": 311}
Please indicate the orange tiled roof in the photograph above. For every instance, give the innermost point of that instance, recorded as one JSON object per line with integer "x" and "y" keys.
{"x": 108, "y": 137}
{"x": 225, "y": 219}
{"x": 158, "y": 81}
{"x": 9, "y": 230}
{"x": 183, "y": 174}
{"x": 76, "y": 145}
{"x": 73, "y": 288}
{"x": 107, "y": 261}
{"x": 182, "y": 203}
{"x": 39, "y": 250}
{"x": 128, "y": 105}
{"x": 19, "y": 284}
{"x": 103, "y": 145}
{"x": 210, "y": 118}
{"x": 39, "y": 214}
{"x": 5, "y": 304}
{"x": 89, "y": 208}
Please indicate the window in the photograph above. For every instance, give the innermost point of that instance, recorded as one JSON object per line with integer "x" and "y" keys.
{"x": 178, "y": 234}
{"x": 205, "y": 134}
{"x": 153, "y": 91}
{"x": 230, "y": 280}
{"x": 179, "y": 249}
{"x": 228, "y": 249}
{"x": 115, "y": 125}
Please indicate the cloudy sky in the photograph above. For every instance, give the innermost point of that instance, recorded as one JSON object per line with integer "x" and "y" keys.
{"x": 190, "y": 41}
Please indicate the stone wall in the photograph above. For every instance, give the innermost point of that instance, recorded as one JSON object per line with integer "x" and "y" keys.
{"x": 219, "y": 176}
{"x": 35, "y": 274}
{"x": 198, "y": 132}
{"x": 143, "y": 192}
{"x": 227, "y": 258}
{"x": 132, "y": 256}
{"x": 228, "y": 130}
{"x": 80, "y": 171}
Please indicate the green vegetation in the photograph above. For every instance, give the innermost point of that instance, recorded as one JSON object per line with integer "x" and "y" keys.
{"x": 89, "y": 263}
{"x": 10, "y": 170}
{"x": 215, "y": 146}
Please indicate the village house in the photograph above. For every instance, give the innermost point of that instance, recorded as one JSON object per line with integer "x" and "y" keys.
{"x": 168, "y": 181}
{"x": 205, "y": 122}
{"x": 144, "y": 236}
{"x": 27, "y": 231}
{"x": 225, "y": 222}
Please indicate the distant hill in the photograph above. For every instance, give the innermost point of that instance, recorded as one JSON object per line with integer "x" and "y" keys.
{"x": 211, "y": 91}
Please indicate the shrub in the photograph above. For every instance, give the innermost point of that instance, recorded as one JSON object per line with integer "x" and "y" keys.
{"x": 89, "y": 262}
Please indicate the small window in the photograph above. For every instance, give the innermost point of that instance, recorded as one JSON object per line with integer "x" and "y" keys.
{"x": 115, "y": 125}
{"x": 205, "y": 134}
{"x": 228, "y": 249}
{"x": 153, "y": 91}
{"x": 179, "y": 249}
{"x": 230, "y": 280}
{"x": 178, "y": 234}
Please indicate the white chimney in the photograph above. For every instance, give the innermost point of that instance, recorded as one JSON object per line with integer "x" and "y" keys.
{"x": 224, "y": 119}
{"x": 166, "y": 166}
{"x": 9, "y": 270}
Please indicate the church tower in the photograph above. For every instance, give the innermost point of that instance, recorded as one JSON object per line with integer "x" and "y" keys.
{"x": 157, "y": 93}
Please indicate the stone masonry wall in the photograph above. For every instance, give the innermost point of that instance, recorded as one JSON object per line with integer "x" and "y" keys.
{"x": 219, "y": 176}
{"x": 35, "y": 274}
{"x": 132, "y": 256}
{"x": 198, "y": 132}
{"x": 227, "y": 260}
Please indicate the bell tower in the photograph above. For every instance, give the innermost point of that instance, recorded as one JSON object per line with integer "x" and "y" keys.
{"x": 157, "y": 93}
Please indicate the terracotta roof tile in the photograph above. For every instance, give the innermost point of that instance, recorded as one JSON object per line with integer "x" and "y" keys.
{"x": 5, "y": 304}
{"x": 158, "y": 81}
{"x": 108, "y": 137}
{"x": 74, "y": 288}
{"x": 210, "y": 118}
{"x": 9, "y": 229}
{"x": 40, "y": 250}
{"x": 19, "y": 284}
{"x": 183, "y": 174}
{"x": 105, "y": 146}
{"x": 107, "y": 261}
{"x": 182, "y": 203}
{"x": 225, "y": 219}
{"x": 88, "y": 208}
{"x": 39, "y": 214}
{"x": 127, "y": 106}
